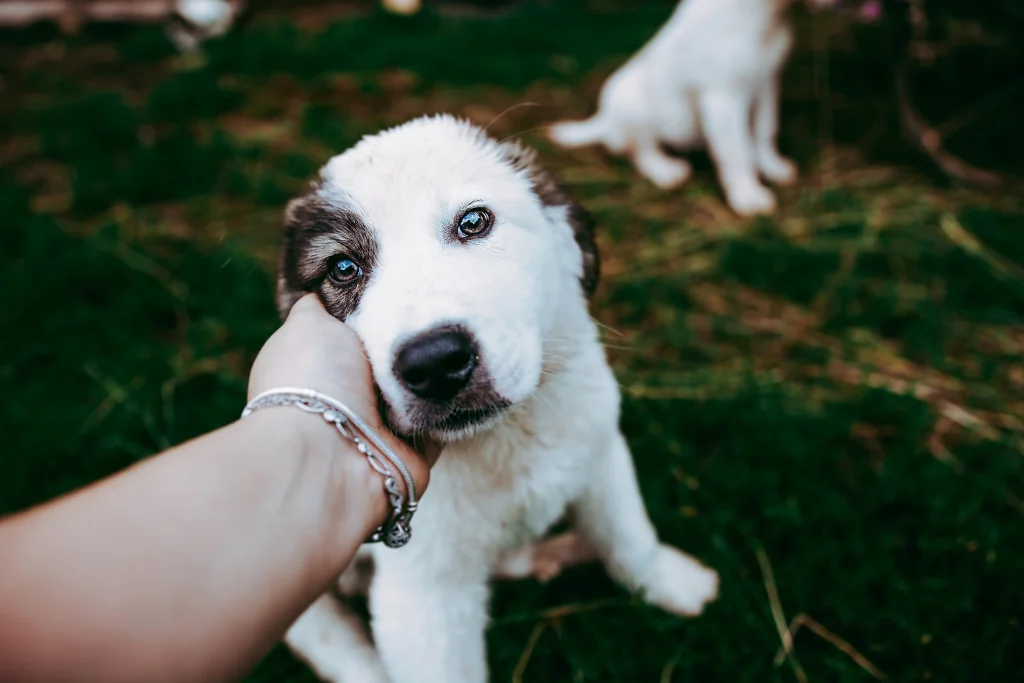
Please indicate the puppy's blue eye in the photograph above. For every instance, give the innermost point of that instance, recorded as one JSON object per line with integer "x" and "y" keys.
{"x": 475, "y": 223}
{"x": 343, "y": 271}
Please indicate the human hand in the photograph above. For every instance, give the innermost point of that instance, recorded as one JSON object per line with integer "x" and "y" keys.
{"x": 314, "y": 350}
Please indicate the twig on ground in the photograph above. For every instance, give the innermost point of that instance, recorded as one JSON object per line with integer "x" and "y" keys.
{"x": 832, "y": 639}
{"x": 562, "y": 611}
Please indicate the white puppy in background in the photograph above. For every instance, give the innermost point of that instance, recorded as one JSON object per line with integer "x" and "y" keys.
{"x": 709, "y": 77}
{"x": 188, "y": 22}
{"x": 402, "y": 6}
{"x": 465, "y": 270}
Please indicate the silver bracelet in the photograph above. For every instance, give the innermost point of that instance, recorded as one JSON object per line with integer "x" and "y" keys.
{"x": 397, "y": 530}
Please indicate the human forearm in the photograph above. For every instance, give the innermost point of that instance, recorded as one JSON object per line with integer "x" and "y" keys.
{"x": 215, "y": 547}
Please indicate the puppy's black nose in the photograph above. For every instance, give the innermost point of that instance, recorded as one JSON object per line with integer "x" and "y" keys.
{"x": 437, "y": 365}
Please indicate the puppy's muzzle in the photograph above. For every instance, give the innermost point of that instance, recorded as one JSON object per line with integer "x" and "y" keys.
{"x": 437, "y": 365}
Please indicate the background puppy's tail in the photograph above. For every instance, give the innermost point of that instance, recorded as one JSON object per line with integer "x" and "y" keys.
{"x": 578, "y": 133}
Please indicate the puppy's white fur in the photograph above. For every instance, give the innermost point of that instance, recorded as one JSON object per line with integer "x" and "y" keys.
{"x": 709, "y": 77}
{"x": 556, "y": 450}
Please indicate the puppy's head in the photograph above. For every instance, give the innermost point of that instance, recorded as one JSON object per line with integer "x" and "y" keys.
{"x": 454, "y": 257}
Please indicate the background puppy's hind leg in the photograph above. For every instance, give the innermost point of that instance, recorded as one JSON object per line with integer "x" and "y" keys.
{"x": 775, "y": 167}
{"x": 725, "y": 119}
{"x": 611, "y": 515}
{"x": 334, "y": 642}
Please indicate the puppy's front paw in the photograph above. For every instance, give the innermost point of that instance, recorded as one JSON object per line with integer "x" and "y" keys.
{"x": 779, "y": 170}
{"x": 680, "y": 584}
{"x": 752, "y": 200}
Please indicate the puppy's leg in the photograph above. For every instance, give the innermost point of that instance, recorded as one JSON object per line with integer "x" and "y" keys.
{"x": 357, "y": 577}
{"x": 773, "y": 165}
{"x": 333, "y": 641}
{"x": 611, "y": 515}
{"x": 725, "y": 119}
{"x": 545, "y": 559}
{"x": 430, "y": 630}
{"x": 664, "y": 171}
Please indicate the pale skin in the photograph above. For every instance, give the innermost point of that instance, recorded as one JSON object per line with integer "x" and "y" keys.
{"x": 191, "y": 565}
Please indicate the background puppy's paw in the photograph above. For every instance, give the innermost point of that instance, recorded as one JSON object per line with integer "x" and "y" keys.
{"x": 669, "y": 179}
{"x": 752, "y": 200}
{"x": 680, "y": 584}
{"x": 779, "y": 170}
{"x": 665, "y": 172}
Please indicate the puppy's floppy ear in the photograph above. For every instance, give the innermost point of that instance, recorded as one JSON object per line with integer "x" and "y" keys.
{"x": 288, "y": 289}
{"x": 552, "y": 194}
{"x": 286, "y": 298}
{"x": 583, "y": 227}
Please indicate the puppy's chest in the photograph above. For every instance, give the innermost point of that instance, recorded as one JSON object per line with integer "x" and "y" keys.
{"x": 515, "y": 495}
{"x": 774, "y": 48}
{"x": 750, "y": 59}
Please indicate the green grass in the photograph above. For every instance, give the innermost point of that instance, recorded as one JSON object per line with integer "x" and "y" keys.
{"x": 826, "y": 404}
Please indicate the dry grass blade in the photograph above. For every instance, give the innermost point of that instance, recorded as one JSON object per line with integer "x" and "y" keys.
{"x": 879, "y": 216}
{"x": 524, "y": 659}
{"x": 831, "y": 638}
{"x": 666, "y": 673}
{"x": 563, "y": 611}
{"x": 961, "y": 237}
{"x": 937, "y": 447}
{"x": 142, "y": 264}
{"x": 116, "y": 395}
{"x": 778, "y": 616}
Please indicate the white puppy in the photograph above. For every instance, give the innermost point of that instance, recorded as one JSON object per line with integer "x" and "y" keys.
{"x": 191, "y": 21}
{"x": 710, "y": 77}
{"x": 402, "y": 6}
{"x": 465, "y": 271}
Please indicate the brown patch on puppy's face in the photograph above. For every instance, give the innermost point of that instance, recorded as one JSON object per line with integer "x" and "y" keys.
{"x": 320, "y": 232}
{"x": 551, "y": 194}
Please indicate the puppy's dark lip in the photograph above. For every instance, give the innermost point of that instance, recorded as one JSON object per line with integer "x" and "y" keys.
{"x": 455, "y": 421}
{"x": 460, "y": 419}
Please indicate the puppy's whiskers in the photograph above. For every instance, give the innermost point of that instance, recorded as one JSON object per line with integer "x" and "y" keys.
{"x": 522, "y": 133}
{"x": 606, "y": 328}
{"x": 509, "y": 110}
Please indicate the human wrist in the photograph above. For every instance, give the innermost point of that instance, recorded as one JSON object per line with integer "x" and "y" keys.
{"x": 330, "y": 471}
